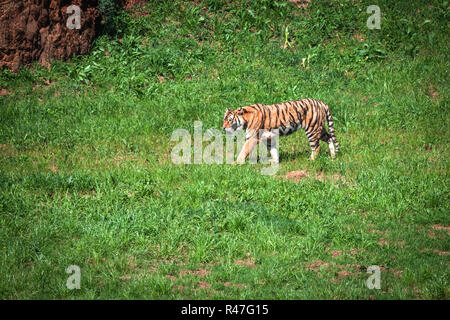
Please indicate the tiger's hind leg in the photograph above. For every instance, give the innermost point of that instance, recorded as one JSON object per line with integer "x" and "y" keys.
{"x": 315, "y": 151}
{"x": 325, "y": 136}
{"x": 314, "y": 138}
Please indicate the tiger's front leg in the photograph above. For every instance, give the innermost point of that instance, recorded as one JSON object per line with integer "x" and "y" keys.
{"x": 246, "y": 149}
{"x": 271, "y": 145}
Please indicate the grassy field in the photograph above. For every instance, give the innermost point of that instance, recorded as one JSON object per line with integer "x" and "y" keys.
{"x": 86, "y": 176}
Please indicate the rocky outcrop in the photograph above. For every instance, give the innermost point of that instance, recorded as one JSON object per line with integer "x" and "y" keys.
{"x": 36, "y": 30}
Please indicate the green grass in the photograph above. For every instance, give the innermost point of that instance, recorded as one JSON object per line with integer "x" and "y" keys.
{"x": 86, "y": 176}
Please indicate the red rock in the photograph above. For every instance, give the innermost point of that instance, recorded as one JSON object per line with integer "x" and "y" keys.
{"x": 35, "y": 30}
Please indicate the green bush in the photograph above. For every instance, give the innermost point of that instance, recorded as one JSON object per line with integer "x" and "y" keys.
{"x": 109, "y": 10}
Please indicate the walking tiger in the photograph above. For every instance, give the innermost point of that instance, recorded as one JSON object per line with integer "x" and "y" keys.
{"x": 264, "y": 122}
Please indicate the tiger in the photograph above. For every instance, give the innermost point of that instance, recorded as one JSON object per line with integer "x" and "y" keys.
{"x": 264, "y": 122}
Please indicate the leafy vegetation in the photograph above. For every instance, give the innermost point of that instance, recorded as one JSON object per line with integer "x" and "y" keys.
{"x": 86, "y": 176}
{"x": 108, "y": 9}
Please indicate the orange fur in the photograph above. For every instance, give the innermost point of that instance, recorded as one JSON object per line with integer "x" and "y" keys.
{"x": 286, "y": 117}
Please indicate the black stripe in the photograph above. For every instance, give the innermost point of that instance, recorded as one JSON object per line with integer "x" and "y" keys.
{"x": 294, "y": 123}
{"x": 264, "y": 116}
{"x": 310, "y": 119}
{"x": 278, "y": 115}
{"x": 283, "y": 115}
{"x": 255, "y": 118}
{"x": 259, "y": 110}
{"x": 303, "y": 106}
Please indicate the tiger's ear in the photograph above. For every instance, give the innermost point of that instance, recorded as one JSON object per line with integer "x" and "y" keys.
{"x": 228, "y": 109}
{"x": 241, "y": 111}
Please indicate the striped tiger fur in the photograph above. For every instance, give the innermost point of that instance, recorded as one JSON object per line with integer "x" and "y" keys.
{"x": 282, "y": 119}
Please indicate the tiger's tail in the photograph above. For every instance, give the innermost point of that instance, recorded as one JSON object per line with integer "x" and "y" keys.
{"x": 331, "y": 128}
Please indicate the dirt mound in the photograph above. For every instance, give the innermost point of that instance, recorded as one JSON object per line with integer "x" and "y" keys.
{"x": 301, "y": 3}
{"x": 298, "y": 175}
{"x": 36, "y": 30}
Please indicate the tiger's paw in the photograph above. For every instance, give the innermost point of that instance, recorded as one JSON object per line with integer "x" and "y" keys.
{"x": 274, "y": 161}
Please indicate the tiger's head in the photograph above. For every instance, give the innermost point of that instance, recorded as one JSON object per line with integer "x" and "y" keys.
{"x": 234, "y": 120}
